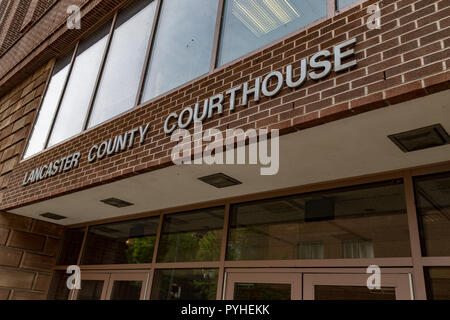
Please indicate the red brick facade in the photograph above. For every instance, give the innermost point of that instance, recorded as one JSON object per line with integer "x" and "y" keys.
{"x": 407, "y": 58}
{"x": 28, "y": 250}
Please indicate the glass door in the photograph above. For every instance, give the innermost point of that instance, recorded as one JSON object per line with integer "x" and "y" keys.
{"x": 127, "y": 286}
{"x": 354, "y": 287}
{"x": 93, "y": 286}
{"x": 115, "y": 285}
{"x": 263, "y": 286}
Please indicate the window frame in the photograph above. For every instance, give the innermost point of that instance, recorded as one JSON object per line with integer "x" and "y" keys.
{"x": 213, "y": 68}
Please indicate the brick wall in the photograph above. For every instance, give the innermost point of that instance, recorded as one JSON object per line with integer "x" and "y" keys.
{"x": 28, "y": 250}
{"x": 17, "y": 112}
{"x": 405, "y": 59}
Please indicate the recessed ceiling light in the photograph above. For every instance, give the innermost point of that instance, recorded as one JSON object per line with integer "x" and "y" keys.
{"x": 52, "y": 216}
{"x": 220, "y": 180}
{"x": 118, "y": 203}
{"x": 421, "y": 138}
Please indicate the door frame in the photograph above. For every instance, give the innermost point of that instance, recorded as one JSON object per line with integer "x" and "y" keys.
{"x": 400, "y": 281}
{"x": 271, "y": 275}
{"x": 94, "y": 276}
{"x": 294, "y": 279}
{"x": 135, "y": 276}
{"x": 109, "y": 276}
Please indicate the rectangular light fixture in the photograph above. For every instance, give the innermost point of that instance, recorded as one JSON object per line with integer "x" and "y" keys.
{"x": 421, "y": 138}
{"x": 220, "y": 180}
{"x": 52, "y": 216}
{"x": 118, "y": 203}
{"x": 262, "y": 17}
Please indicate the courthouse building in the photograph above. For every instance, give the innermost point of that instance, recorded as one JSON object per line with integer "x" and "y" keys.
{"x": 87, "y": 111}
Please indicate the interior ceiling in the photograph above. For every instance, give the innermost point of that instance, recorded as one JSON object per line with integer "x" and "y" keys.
{"x": 345, "y": 148}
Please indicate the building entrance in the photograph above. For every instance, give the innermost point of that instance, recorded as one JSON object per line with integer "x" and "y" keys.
{"x": 310, "y": 284}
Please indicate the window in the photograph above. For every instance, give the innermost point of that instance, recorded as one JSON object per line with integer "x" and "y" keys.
{"x": 343, "y": 3}
{"x": 360, "y": 222}
{"x": 185, "y": 284}
{"x": 248, "y": 25}
{"x": 74, "y": 105}
{"x": 122, "y": 72}
{"x": 71, "y": 246}
{"x": 110, "y": 74}
{"x": 438, "y": 283}
{"x": 433, "y": 209}
{"x": 192, "y": 236}
{"x": 48, "y": 108}
{"x": 183, "y": 45}
{"x": 129, "y": 242}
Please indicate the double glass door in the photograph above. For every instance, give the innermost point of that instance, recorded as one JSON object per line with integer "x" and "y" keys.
{"x": 112, "y": 286}
{"x": 329, "y": 285}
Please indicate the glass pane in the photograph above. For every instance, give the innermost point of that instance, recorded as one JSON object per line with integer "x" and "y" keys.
{"x": 193, "y": 236}
{"x": 77, "y": 96}
{"x": 71, "y": 246}
{"x": 262, "y": 291}
{"x": 185, "y": 284}
{"x": 353, "y": 293}
{"x": 91, "y": 290}
{"x": 183, "y": 45}
{"x": 438, "y": 283}
{"x": 48, "y": 107}
{"x": 359, "y": 222}
{"x": 248, "y": 24}
{"x": 122, "y": 72}
{"x": 433, "y": 209}
{"x": 126, "y": 290}
{"x": 121, "y": 243}
{"x": 58, "y": 288}
{"x": 343, "y": 3}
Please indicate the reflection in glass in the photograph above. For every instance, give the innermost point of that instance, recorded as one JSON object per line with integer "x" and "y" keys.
{"x": 438, "y": 283}
{"x": 71, "y": 246}
{"x": 77, "y": 96}
{"x": 343, "y": 3}
{"x": 248, "y": 25}
{"x": 48, "y": 108}
{"x": 58, "y": 287}
{"x": 192, "y": 236}
{"x": 126, "y": 242}
{"x": 91, "y": 290}
{"x": 126, "y": 290}
{"x": 358, "y": 222}
{"x": 353, "y": 293}
{"x": 120, "y": 78}
{"x": 185, "y": 284}
{"x": 183, "y": 45}
{"x": 433, "y": 209}
{"x": 262, "y": 291}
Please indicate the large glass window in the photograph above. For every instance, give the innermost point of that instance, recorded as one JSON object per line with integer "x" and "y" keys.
{"x": 48, "y": 108}
{"x": 438, "y": 283}
{"x": 128, "y": 242}
{"x": 185, "y": 284}
{"x": 71, "y": 246}
{"x": 248, "y": 24}
{"x": 181, "y": 49}
{"x": 122, "y": 71}
{"x": 343, "y": 3}
{"x": 433, "y": 209}
{"x": 192, "y": 236}
{"x": 183, "y": 45}
{"x": 77, "y": 96}
{"x": 359, "y": 222}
